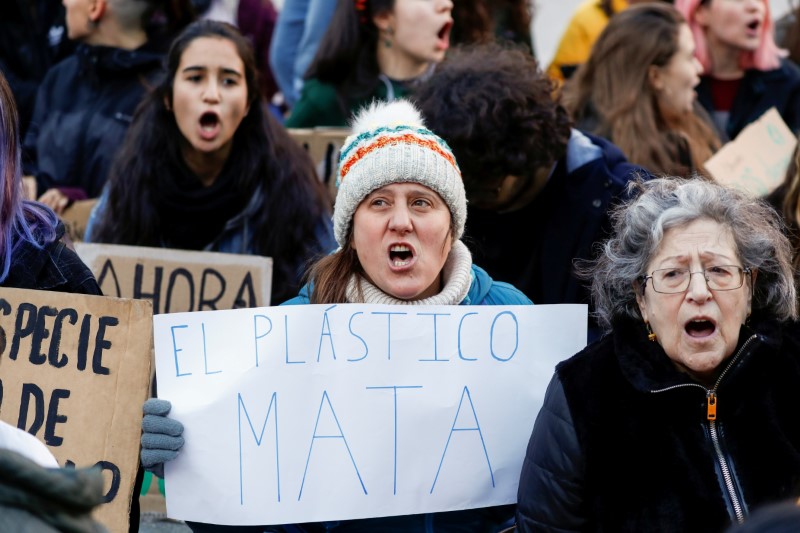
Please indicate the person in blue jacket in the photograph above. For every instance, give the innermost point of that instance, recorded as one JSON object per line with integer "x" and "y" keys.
{"x": 399, "y": 216}
{"x": 539, "y": 190}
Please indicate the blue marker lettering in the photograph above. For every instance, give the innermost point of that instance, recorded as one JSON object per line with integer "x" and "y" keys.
{"x": 205, "y": 351}
{"x": 286, "y": 331}
{"x": 325, "y": 324}
{"x": 240, "y": 407}
{"x": 477, "y": 428}
{"x": 255, "y": 331}
{"x": 460, "y": 353}
{"x": 516, "y": 336}
{"x": 435, "y": 337}
{"x": 388, "y": 330}
{"x": 394, "y": 491}
{"x": 353, "y": 333}
{"x": 339, "y": 436}
{"x": 175, "y": 351}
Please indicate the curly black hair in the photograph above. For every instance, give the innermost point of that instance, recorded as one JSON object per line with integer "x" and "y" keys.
{"x": 494, "y": 107}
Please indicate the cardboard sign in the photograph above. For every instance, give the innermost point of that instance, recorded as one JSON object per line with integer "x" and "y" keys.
{"x": 323, "y": 145}
{"x": 756, "y": 161}
{"x": 179, "y": 280}
{"x": 75, "y": 371}
{"x": 76, "y": 216}
{"x": 331, "y": 412}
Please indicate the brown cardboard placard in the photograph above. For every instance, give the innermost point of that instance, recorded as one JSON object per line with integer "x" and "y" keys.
{"x": 180, "y": 280}
{"x": 76, "y": 216}
{"x": 75, "y": 371}
{"x": 756, "y": 161}
{"x": 323, "y": 145}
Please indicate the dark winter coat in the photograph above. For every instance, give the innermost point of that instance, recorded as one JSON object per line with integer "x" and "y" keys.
{"x": 29, "y": 45}
{"x": 624, "y": 441}
{"x": 53, "y": 267}
{"x": 758, "y": 92}
{"x": 83, "y": 109}
{"x": 534, "y": 248}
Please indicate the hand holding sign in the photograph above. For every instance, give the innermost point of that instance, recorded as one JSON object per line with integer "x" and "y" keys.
{"x": 161, "y": 436}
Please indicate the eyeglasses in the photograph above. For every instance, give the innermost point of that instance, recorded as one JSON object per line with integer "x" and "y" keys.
{"x": 718, "y": 278}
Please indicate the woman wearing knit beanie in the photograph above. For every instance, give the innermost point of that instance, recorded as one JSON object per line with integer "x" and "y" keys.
{"x": 399, "y": 215}
{"x": 400, "y": 212}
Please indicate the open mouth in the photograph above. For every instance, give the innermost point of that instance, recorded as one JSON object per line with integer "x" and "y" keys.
{"x": 444, "y": 35}
{"x": 700, "y": 328}
{"x": 209, "y": 120}
{"x": 400, "y": 255}
{"x": 754, "y": 25}
{"x": 209, "y": 123}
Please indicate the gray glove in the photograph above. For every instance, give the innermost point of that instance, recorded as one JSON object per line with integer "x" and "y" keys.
{"x": 161, "y": 436}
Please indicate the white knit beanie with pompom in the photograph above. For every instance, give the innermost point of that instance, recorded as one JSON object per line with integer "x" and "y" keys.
{"x": 390, "y": 144}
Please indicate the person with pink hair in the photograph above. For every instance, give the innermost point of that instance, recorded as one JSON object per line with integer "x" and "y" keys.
{"x": 744, "y": 71}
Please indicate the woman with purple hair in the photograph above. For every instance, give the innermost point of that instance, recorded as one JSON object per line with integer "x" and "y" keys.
{"x": 32, "y": 254}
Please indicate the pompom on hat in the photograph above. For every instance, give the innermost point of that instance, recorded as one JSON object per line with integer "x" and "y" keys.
{"x": 390, "y": 144}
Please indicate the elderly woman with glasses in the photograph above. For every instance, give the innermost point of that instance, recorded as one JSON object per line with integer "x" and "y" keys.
{"x": 683, "y": 417}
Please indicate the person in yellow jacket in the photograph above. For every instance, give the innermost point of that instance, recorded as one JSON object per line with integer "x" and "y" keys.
{"x": 582, "y": 31}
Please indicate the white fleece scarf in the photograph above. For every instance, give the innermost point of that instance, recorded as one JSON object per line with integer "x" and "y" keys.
{"x": 456, "y": 274}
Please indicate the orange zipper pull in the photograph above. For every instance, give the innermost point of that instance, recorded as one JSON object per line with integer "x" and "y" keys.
{"x": 711, "y": 397}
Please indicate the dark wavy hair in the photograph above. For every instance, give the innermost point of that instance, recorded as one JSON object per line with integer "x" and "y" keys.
{"x": 347, "y": 54}
{"x": 493, "y": 106}
{"x": 264, "y": 158}
{"x": 472, "y": 22}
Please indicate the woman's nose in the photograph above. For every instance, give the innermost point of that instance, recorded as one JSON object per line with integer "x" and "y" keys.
{"x": 400, "y": 219}
{"x": 698, "y": 287}
{"x": 445, "y": 5}
{"x": 211, "y": 92}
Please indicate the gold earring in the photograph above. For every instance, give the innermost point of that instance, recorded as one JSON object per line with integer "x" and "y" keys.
{"x": 650, "y": 335}
{"x": 387, "y": 42}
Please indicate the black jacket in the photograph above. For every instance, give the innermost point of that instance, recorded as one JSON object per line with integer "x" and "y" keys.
{"x": 534, "y": 247}
{"x": 54, "y": 267}
{"x": 33, "y": 37}
{"x": 759, "y": 91}
{"x": 623, "y": 441}
{"x": 83, "y": 109}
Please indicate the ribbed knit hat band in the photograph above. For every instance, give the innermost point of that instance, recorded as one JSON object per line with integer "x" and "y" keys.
{"x": 390, "y": 144}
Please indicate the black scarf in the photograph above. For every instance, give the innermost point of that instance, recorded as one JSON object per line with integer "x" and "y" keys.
{"x": 193, "y": 216}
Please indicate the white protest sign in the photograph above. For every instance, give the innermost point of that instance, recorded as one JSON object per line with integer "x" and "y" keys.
{"x": 307, "y": 413}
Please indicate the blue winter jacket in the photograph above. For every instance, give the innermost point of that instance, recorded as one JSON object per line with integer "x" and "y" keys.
{"x": 483, "y": 291}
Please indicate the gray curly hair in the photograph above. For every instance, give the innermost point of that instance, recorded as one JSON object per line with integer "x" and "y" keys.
{"x": 663, "y": 203}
